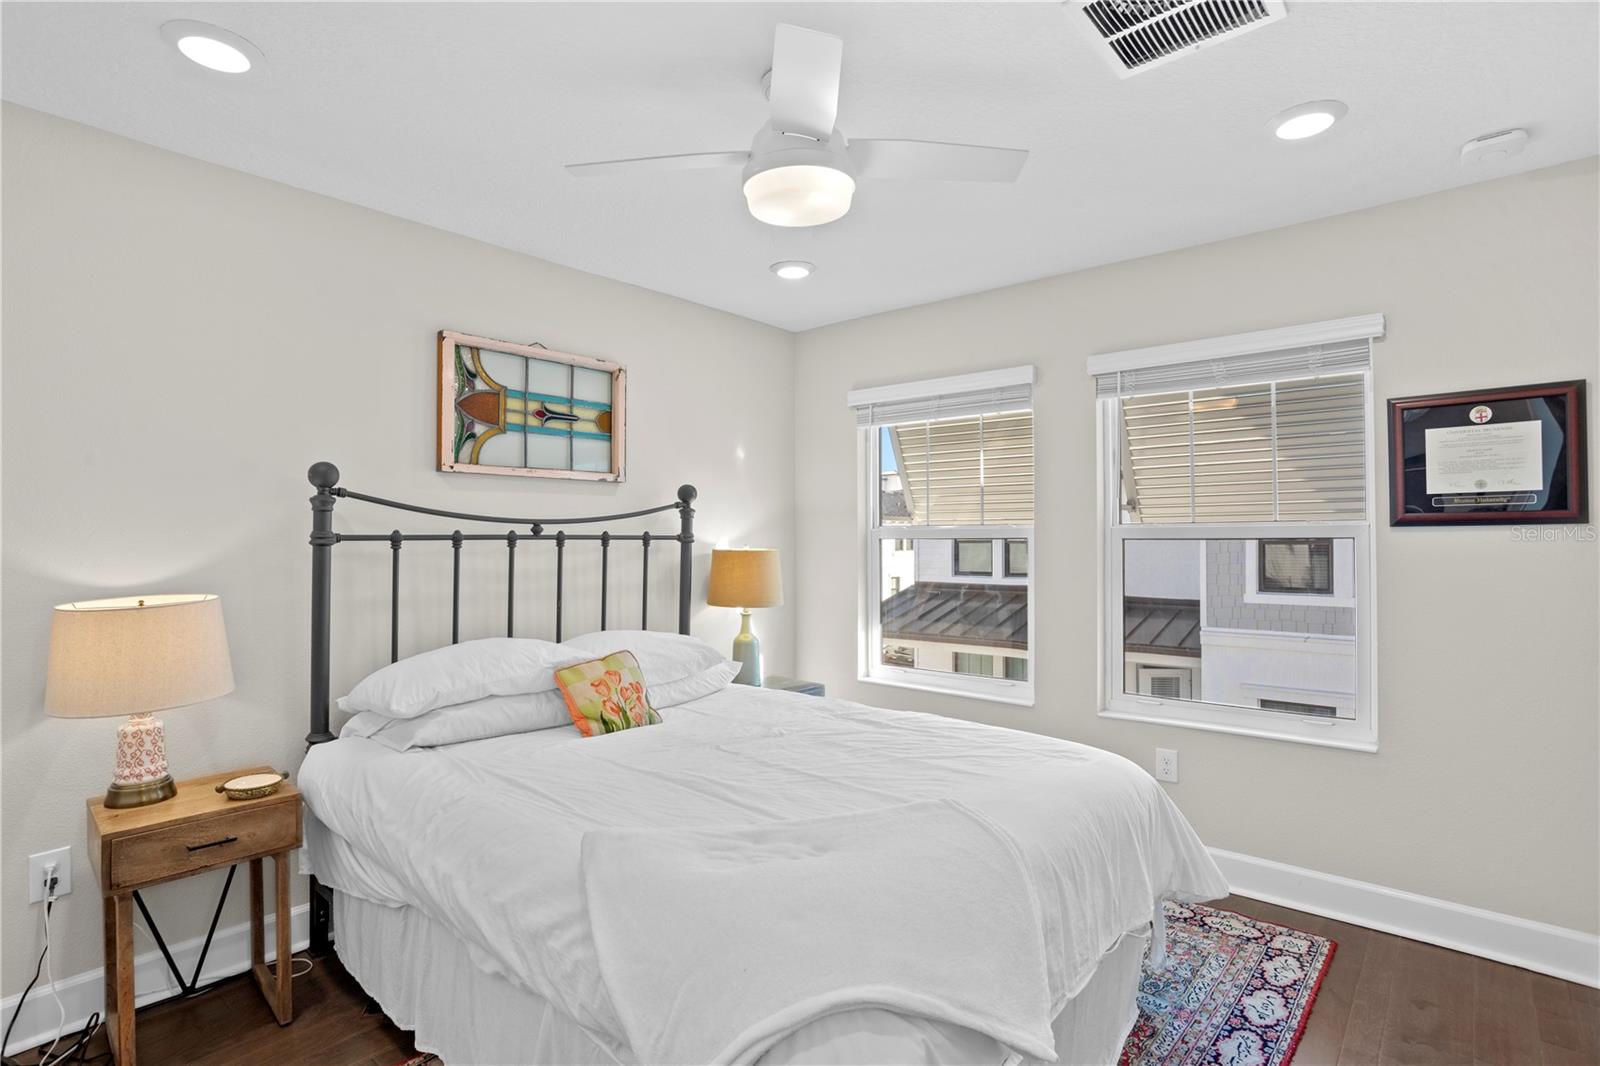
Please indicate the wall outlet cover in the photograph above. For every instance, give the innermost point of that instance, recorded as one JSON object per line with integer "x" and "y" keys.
{"x": 1167, "y": 764}
{"x": 62, "y": 857}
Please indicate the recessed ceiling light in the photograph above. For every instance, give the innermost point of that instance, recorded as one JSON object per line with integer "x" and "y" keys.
{"x": 212, "y": 46}
{"x": 1307, "y": 120}
{"x": 792, "y": 269}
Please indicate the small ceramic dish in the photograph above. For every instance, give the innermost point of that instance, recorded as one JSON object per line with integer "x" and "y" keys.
{"x": 252, "y": 786}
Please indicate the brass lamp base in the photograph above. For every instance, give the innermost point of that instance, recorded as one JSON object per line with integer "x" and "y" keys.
{"x": 118, "y": 796}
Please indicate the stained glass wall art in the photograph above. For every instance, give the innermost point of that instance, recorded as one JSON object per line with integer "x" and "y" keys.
{"x": 523, "y": 409}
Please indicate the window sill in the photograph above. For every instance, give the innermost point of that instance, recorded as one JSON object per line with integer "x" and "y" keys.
{"x": 1318, "y": 734}
{"x": 990, "y": 696}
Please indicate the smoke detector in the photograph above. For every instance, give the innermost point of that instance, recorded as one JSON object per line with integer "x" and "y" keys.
{"x": 1493, "y": 147}
{"x": 1140, "y": 34}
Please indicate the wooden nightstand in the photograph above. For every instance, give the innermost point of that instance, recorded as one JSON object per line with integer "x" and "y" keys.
{"x": 794, "y": 684}
{"x": 198, "y": 829}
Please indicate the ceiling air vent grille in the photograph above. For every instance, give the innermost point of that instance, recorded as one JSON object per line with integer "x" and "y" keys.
{"x": 1145, "y": 33}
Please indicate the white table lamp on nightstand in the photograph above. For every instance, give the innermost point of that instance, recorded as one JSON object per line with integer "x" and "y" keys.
{"x": 134, "y": 655}
{"x": 745, "y": 578}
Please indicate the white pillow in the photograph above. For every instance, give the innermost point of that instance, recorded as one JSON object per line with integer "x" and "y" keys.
{"x": 663, "y": 657}
{"x": 493, "y": 716}
{"x": 672, "y": 693}
{"x": 496, "y": 666}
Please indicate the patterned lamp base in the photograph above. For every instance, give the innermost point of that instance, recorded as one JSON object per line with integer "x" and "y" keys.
{"x": 141, "y": 775}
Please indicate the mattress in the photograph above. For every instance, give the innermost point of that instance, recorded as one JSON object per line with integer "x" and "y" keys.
{"x": 472, "y": 1018}
{"x": 483, "y": 839}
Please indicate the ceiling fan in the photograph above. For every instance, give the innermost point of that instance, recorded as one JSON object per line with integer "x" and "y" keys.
{"x": 801, "y": 170}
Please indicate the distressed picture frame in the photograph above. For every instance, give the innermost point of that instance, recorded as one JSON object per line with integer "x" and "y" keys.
{"x": 529, "y": 411}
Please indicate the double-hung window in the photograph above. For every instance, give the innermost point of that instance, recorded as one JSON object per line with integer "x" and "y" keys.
{"x": 1237, "y": 494}
{"x": 947, "y": 492}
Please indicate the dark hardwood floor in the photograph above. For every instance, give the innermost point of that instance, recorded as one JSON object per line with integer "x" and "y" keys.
{"x": 1384, "y": 1002}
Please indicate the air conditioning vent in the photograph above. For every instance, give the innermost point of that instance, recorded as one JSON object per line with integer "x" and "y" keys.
{"x": 1140, "y": 34}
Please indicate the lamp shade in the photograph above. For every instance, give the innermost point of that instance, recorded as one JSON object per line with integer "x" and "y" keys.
{"x": 136, "y": 654}
{"x": 745, "y": 577}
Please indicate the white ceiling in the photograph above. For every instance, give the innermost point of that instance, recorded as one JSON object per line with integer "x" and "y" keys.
{"x": 461, "y": 116}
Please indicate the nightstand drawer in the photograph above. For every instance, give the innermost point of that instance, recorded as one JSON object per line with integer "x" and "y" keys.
{"x": 199, "y": 844}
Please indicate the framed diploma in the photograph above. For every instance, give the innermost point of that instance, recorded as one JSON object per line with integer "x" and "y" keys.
{"x": 1503, "y": 455}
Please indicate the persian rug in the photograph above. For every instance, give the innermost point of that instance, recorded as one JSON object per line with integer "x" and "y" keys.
{"x": 421, "y": 1060}
{"x": 1233, "y": 991}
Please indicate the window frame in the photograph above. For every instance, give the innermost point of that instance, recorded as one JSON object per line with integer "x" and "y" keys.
{"x": 1261, "y": 559}
{"x": 870, "y": 667}
{"x": 1356, "y": 734}
{"x": 955, "y": 557}
{"x": 1005, "y": 552}
{"x": 1343, "y": 594}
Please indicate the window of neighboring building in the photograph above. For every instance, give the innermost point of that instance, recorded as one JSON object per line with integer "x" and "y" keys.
{"x": 1016, "y": 558}
{"x": 948, "y": 490}
{"x": 974, "y": 558}
{"x": 1295, "y": 566}
{"x": 970, "y": 663}
{"x": 1238, "y": 534}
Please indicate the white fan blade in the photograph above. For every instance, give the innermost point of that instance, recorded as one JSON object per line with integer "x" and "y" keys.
{"x": 658, "y": 163}
{"x": 805, "y": 81}
{"x": 936, "y": 161}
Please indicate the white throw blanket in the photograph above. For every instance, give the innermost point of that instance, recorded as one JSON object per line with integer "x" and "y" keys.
{"x": 717, "y": 942}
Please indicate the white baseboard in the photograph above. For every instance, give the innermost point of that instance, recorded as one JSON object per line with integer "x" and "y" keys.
{"x": 1548, "y": 949}
{"x": 83, "y": 994}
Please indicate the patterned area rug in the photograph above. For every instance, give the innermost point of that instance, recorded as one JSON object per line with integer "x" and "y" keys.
{"x": 1234, "y": 991}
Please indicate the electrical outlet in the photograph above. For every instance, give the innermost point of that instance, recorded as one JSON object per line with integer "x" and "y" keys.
{"x": 1167, "y": 764}
{"x": 62, "y": 857}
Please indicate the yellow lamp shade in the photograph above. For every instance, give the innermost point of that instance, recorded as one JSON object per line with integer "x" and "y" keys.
{"x": 745, "y": 577}
{"x": 136, "y": 654}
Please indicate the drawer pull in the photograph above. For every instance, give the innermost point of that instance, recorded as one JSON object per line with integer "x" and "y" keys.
{"x": 213, "y": 844}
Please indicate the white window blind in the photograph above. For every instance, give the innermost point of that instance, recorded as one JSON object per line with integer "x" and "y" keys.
{"x": 965, "y": 396}
{"x": 1283, "y": 451}
{"x": 1222, "y": 371}
{"x": 967, "y": 471}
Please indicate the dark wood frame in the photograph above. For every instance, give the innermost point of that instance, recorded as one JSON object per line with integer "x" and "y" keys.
{"x": 1576, "y": 453}
{"x": 324, "y": 477}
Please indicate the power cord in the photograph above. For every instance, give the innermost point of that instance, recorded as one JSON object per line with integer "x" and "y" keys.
{"x": 76, "y": 1052}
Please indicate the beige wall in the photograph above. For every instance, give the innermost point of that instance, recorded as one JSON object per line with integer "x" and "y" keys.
{"x": 181, "y": 341}
{"x": 1485, "y": 789}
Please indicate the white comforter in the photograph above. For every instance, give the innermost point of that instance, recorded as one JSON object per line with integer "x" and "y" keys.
{"x": 486, "y": 838}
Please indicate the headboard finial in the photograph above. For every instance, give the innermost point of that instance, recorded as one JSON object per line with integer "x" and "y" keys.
{"x": 687, "y": 493}
{"x": 323, "y": 475}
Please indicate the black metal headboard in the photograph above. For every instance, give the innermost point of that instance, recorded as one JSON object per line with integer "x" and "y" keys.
{"x": 325, "y": 477}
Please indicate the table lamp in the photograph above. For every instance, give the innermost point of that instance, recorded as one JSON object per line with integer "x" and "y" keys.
{"x": 134, "y": 655}
{"x": 745, "y": 578}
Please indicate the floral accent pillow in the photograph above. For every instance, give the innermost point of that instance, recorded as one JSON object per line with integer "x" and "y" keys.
{"x": 606, "y": 695}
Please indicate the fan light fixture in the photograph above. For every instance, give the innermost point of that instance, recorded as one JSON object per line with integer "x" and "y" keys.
{"x": 804, "y": 195}
{"x": 211, "y": 46}
{"x": 793, "y": 269}
{"x": 1307, "y": 120}
{"x": 800, "y": 170}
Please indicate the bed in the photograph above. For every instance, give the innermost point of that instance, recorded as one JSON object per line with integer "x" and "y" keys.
{"x": 763, "y": 876}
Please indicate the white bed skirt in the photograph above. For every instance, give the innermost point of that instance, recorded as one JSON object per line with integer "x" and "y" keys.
{"x": 425, "y": 981}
